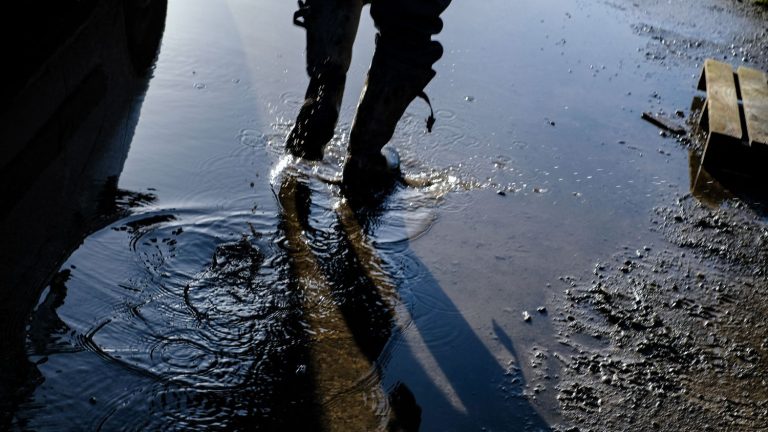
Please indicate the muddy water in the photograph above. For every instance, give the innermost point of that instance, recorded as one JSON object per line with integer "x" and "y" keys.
{"x": 248, "y": 292}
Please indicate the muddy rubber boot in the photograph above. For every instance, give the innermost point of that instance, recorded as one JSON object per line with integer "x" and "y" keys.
{"x": 331, "y": 27}
{"x": 368, "y": 181}
{"x": 390, "y": 87}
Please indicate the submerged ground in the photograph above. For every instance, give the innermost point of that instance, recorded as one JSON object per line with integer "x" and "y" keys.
{"x": 240, "y": 289}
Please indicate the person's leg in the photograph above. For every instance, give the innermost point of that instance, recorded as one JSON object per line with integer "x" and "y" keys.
{"x": 401, "y": 68}
{"x": 331, "y": 27}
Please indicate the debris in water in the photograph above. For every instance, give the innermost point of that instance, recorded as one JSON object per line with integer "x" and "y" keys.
{"x": 664, "y": 123}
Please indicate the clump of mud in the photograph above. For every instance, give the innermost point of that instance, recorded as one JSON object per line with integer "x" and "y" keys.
{"x": 671, "y": 337}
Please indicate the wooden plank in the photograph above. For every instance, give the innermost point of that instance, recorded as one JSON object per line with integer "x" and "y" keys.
{"x": 722, "y": 102}
{"x": 663, "y": 123}
{"x": 754, "y": 92}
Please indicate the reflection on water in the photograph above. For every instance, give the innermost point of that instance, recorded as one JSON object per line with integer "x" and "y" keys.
{"x": 703, "y": 186}
{"x": 714, "y": 185}
{"x": 363, "y": 302}
{"x": 237, "y": 320}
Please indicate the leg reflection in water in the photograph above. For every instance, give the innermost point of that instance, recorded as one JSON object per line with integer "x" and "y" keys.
{"x": 350, "y": 319}
{"x": 356, "y": 319}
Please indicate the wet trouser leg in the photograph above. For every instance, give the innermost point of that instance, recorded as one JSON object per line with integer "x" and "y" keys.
{"x": 331, "y": 26}
{"x": 401, "y": 68}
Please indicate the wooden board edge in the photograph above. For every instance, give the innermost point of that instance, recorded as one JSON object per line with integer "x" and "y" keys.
{"x": 751, "y": 141}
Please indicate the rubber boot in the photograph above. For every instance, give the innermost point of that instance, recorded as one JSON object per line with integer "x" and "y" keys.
{"x": 331, "y": 26}
{"x": 391, "y": 85}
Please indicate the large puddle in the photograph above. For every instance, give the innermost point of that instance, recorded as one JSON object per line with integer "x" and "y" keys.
{"x": 245, "y": 291}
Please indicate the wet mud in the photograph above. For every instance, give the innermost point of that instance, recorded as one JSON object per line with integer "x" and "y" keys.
{"x": 671, "y": 336}
{"x": 669, "y": 333}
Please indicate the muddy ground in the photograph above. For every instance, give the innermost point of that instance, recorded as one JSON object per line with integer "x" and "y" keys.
{"x": 672, "y": 335}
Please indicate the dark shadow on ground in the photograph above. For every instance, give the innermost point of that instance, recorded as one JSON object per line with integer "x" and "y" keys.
{"x": 75, "y": 75}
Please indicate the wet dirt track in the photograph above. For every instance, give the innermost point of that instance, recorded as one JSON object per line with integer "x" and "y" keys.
{"x": 239, "y": 290}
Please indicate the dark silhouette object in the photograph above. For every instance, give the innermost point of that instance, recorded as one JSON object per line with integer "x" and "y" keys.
{"x": 73, "y": 79}
{"x": 401, "y": 68}
{"x": 407, "y": 412}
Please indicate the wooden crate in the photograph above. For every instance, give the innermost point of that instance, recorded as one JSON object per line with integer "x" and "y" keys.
{"x": 735, "y": 115}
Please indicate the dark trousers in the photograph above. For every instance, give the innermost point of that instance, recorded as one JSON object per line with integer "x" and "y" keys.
{"x": 406, "y": 28}
{"x": 400, "y": 70}
{"x": 405, "y": 31}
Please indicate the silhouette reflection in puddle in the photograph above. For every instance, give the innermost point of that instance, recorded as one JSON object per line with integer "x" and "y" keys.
{"x": 357, "y": 307}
